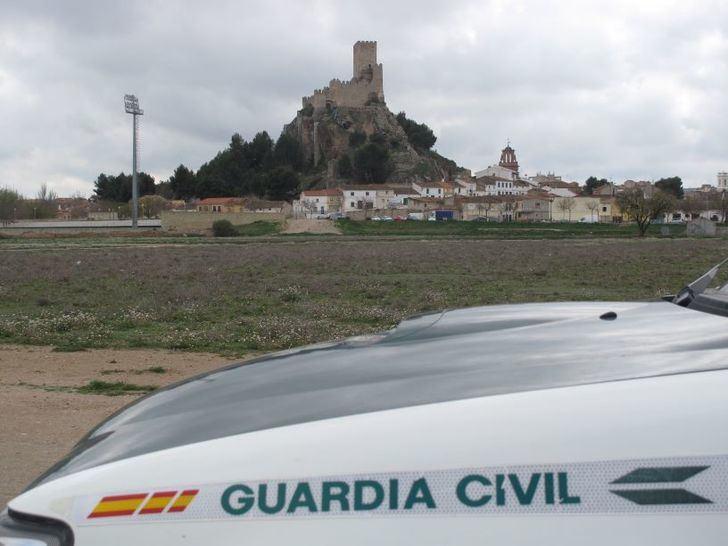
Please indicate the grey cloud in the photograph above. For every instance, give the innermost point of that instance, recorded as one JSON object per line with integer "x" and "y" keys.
{"x": 618, "y": 89}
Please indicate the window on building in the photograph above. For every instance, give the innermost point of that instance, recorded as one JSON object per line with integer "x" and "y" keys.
{"x": 604, "y": 209}
{"x": 352, "y": 194}
{"x": 366, "y": 193}
{"x": 352, "y": 204}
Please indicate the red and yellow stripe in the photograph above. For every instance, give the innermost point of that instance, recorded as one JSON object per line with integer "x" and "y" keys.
{"x": 184, "y": 500}
{"x": 118, "y": 505}
{"x": 158, "y": 502}
{"x": 127, "y": 505}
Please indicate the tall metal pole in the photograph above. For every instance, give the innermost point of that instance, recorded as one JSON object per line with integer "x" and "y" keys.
{"x": 131, "y": 105}
{"x": 134, "y": 181}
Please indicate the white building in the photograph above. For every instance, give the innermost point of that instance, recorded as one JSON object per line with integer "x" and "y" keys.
{"x": 429, "y": 189}
{"x": 370, "y": 196}
{"x": 465, "y": 188}
{"x": 400, "y": 195}
{"x": 723, "y": 181}
{"x": 496, "y": 185}
{"x": 559, "y": 191}
{"x": 315, "y": 202}
{"x": 498, "y": 171}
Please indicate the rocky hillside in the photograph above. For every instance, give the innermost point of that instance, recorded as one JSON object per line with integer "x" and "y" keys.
{"x": 366, "y": 144}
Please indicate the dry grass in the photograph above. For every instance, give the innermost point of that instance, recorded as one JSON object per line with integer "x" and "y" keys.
{"x": 233, "y": 299}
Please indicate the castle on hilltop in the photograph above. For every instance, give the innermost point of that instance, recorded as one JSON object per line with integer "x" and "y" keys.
{"x": 365, "y": 87}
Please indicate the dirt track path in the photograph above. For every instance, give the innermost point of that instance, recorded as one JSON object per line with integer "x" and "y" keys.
{"x": 40, "y": 420}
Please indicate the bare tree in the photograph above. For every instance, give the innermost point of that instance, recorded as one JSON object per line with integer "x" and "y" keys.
{"x": 367, "y": 203}
{"x": 309, "y": 208}
{"x": 45, "y": 194}
{"x": 44, "y": 205}
{"x": 566, "y": 205}
{"x": 643, "y": 210}
{"x": 485, "y": 205}
{"x": 592, "y": 205}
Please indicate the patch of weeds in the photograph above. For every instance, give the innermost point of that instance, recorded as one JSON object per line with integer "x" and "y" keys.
{"x": 291, "y": 294}
{"x": 260, "y": 227}
{"x": 153, "y": 369}
{"x": 109, "y": 372}
{"x": 117, "y": 388}
{"x": 69, "y": 348}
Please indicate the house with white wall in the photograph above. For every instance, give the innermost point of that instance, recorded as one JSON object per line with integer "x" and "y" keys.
{"x": 429, "y": 189}
{"x": 315, "y": 202}
{"x": 496, "y": 185}
{"x": 464, "y": 187}
{"x": 367, "y": 196}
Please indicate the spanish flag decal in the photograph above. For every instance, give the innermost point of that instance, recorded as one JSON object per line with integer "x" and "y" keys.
{"x": 184, "y": 500}
{"x": 118, "y": 505}
{"x": 156, "y": 503}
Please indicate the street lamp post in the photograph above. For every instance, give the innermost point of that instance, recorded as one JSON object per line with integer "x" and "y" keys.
{"x": 131, "y": 105}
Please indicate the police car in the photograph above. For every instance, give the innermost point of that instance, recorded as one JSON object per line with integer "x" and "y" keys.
{"x": 562, "y": 423}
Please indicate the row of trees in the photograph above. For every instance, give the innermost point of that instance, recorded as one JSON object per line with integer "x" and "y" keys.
{"x": 14, "y": 206}
{"x": 672, "y": 185}
{"x": 259, "y": 167}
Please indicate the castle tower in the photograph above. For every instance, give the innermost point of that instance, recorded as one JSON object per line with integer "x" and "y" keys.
{"x": 366, "y": 67}
{"x": 365, "y": 57}
{"x": 508, "y": 158}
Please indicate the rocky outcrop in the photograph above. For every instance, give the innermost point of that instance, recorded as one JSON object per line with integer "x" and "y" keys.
{"x": 325, "y": 136}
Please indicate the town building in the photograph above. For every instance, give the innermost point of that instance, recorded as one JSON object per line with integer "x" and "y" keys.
{"x": 429, "y": 189}
{"x": 535, "y": 207}
{"x": 364, "y": 197}
{"x": 498, "y": 185}
{"x": 464, "y": 187}
{"x": 401, "y": 196}
{"x": 314, "y": 202}
{"x": 723, "y": 181}
{"x": 507, "y": 166}
{"x": 589, "y": 209}
{"x": 221, "y": 204}
{"x": 647, "y": 188}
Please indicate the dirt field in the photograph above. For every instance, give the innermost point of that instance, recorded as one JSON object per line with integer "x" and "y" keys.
{"x": 311, "y": 226}
{"x": 42, "y": 416}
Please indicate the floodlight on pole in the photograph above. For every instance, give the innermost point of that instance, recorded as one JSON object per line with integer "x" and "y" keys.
{"x": 131, "y": 105}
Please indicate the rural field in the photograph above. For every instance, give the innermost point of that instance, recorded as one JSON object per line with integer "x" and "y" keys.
{"x": 88, "y": 324}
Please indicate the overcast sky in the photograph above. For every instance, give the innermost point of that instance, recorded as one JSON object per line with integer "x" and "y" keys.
{"x": 618, "y": 89}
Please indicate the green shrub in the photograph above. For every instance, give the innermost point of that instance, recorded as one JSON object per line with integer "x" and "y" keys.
{"x": 224, "y": 228}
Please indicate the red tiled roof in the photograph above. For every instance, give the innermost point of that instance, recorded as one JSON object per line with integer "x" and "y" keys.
{"x": 334, "y": 192}
{"x": 367, "y": 187}
{"x": 221, "y": 201}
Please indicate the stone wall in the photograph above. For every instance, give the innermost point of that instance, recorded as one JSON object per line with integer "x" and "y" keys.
{"x": 183, "y": 221}
{"x": 367, "y": 83}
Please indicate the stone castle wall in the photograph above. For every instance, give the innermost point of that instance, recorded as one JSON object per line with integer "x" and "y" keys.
{"x": 367, "y": 83}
